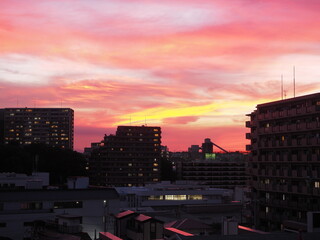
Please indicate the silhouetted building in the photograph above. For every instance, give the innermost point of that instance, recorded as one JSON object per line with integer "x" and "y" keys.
{"x": 285, "y": 161}
{"x": 131, "y": 157}
{"x": 51, "y": 126}
{"x": 207, "y": 146}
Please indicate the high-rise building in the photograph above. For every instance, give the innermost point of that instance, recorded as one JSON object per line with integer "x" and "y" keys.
{"x": 285, "y": 161}
{"x": 131, "y": 157}
{"x": 52, "y": 126}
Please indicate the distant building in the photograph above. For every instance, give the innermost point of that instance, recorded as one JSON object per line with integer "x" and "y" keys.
{"x": 285, "y": 161}
{"x": 207, "y": 146}
{"x": 131, "y": 157}
{"x": 51, "y": 126}
{"x": 220, "y": 170}
{"x": 64, "y": 210}
{"x": 38, "y": 180}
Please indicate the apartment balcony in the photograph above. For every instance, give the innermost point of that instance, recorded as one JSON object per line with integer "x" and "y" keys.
{"x": 248, "y": 124}
{"x": 249, "y": 147}
{"x": 316, "y": 191}
{"x": 248, "y": 135}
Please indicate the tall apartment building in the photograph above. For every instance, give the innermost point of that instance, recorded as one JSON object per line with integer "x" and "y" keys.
{"x": 285, "y": 161}
{"x": 52, "y": 126}
{"x": 131, "y": 157}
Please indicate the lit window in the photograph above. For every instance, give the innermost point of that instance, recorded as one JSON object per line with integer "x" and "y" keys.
{"x": 267, "y": 209}
{"x": 175, "y": 197}
{"x": 283, "y": 197}
{"x": 195, "y": 197}
{"x": 130, "y": 164}
{"x": 282, "y": 138}
{"x": 140, "y": 174}
{"x": 317, "y": 184}
{"x": 155, "y": 169}
{"x": 155, "y": 130}
{"x": 152, "y": 197}
{"x": 155, "y": 164}
{"x": 156, "y": 135}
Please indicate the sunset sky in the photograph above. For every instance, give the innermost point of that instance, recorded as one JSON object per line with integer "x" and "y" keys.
{"x": 193, "y": 67}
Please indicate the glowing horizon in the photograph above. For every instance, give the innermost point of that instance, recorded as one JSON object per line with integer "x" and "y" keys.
{"x": 193, "y": 67}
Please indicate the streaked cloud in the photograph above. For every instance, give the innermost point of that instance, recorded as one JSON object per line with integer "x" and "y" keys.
{"x": 193, "y": 67}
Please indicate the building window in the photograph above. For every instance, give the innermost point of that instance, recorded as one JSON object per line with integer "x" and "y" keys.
{"x": 3, "y": 224}
{"x": 195, "y": 197}
{"x": 31, "y": 206}
{"x": 153, "y": 197}
{"x": 175, "y": 197}
{"x": 317, "y": 184}
{"x": 73, "y": 204}
{"x": 267, "y": 195}
{"x": 267, "y": 209}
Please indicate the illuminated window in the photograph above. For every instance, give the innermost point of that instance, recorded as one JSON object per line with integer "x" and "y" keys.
{"x": 267, "y": 195}
{"x": 140, "y": 174}
{"x": 175, "y": 197}
{"x": 155, "y": 169}
{"x": 267, "y": 209}
{"x": 156, "y": 135}
{"x": 283, "y": 197}
{"x": 195, "y": 197}
{"x": 155, "y": 180}
{"x": 317, "y": 184}
{"x": 155, "y": 164}
{"x": 155, "y": 140}
{"x": 152, "y": 197}
{"x": 282, "y": 138}
{"x": 155, "y": 130}
{"x": 130, "y": 164}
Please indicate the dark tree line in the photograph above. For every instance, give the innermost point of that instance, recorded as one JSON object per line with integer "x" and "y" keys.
{"x": 60, "y": 163}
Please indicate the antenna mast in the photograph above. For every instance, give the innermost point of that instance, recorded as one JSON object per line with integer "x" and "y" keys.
{"x": 294, "y": 81}
{"x": 281, "y": 87}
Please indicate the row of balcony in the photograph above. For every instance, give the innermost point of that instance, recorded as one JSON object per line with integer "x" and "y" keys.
{"x": 288, "y": 112}
{"x": 301, "y": 157}
{"x": 289, "y": 173}
{"x": 287, "y": 188}
{"x": 295, "y": 127}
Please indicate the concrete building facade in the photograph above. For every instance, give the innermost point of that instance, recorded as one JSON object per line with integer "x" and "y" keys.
{"x": 285, "y": 161}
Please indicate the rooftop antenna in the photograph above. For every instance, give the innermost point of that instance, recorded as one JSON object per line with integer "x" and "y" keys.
{"x": 281, "y": 87}
{"x": 285, "y": 94}
{"x": 294, "y": 81}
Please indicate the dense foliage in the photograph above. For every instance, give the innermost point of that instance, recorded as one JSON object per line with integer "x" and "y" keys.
{"x": 60, "y": 163}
